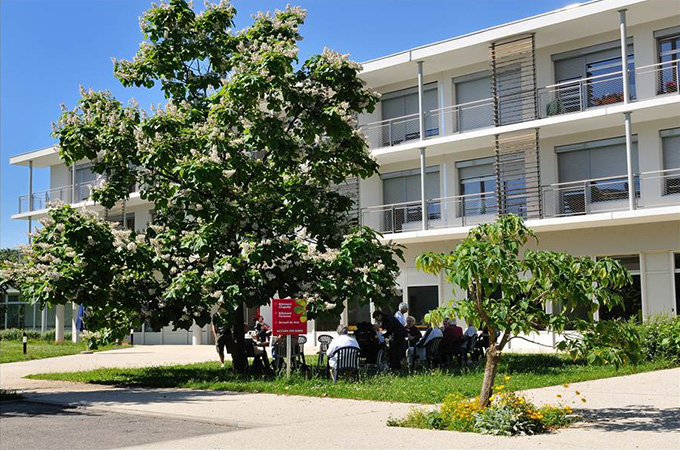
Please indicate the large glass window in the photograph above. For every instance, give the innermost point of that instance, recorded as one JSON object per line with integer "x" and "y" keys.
{"x": 669, "y": 54}
{"x": 421, "y": 300}
{"x": 631, "y": 306}
{"x": 477, "y": 187}
{"x": 85, "y": 178}
{"x": 592, "y": 76}
{"x": 670, "y": 143}
{"x": 400, "y": 111}
{"x": 402, "y": 190}
{"x": 593, "y": 172}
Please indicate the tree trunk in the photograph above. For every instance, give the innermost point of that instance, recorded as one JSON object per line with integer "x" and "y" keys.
{"x": 238, "y": 356}
{"x": 493, "y": 356}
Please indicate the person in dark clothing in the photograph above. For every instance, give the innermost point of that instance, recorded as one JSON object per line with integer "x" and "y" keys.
{"x": 414, "y": 334}
{"x": 452, "y": 342}
{"x": 394, "y": 329}
{"x": 222, "y": 333}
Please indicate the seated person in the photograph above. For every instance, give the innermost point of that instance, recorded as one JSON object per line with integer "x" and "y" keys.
{"x": 414, "y": 333}
{"x": 470, "y": 331}
{"x": 420, "y": 349}
{"x": 343, "y": 340}
{"x": 453, "y": 339}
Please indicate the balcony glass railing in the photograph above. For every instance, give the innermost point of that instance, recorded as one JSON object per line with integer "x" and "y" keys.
{"x": 42, "y": 199}
{"x": 553, "y": 100}
{"x": 652, "y": 189}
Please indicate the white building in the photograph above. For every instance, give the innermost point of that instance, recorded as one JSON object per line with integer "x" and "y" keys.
{"x": 536, "y": 118}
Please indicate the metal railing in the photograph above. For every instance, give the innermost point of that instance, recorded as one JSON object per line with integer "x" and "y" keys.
{"x": 443, "y": 212}
{"x": 580, "y": 95}
{"x": 438, "y": 122}
{"x": 586, "y": 196}
{"x": 553, "y": 100}
{"x": 662, "y": 76}
{"x": 661, "y": 187}
{"x": 463, "y": 117}
{"x": 42, "y": 199}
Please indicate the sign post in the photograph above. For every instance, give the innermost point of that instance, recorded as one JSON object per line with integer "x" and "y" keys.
{"x": 289, "y": 317}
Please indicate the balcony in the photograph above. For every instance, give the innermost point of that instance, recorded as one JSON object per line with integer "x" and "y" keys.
{"x": 558, "y": 99}
{"x": 653, "y": 189}
{"x": 41, "y": 200}
{"x": 438, "y": 122}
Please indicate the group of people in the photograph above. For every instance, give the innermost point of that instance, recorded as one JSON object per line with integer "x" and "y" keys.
{"x": 405, "y": 339}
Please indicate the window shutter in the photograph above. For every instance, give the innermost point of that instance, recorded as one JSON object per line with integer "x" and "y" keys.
{"x": 573, "y": 166}
{"x": 671, "y": 152}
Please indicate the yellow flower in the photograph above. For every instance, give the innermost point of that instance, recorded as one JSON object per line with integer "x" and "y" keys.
{"x": 507, "y": 378}
{"x": 500, "y": 387}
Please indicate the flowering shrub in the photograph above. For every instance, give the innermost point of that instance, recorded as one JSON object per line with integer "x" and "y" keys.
{"x": 508, "y": 414}
{"x": 459, "y": 413}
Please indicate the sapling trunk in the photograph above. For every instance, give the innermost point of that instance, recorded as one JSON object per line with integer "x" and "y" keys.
{"x": 493, "y": 356}
{"x": 238, "y": 357}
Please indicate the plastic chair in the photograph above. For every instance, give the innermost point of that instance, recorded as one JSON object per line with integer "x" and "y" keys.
{"x": 302, "y": 340}
{"x": 324, "y": 342}
{"x": 433, "y": 356}
{"x": 347, "y": 362}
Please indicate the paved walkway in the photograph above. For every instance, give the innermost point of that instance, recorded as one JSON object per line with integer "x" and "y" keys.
{"x": 625, "y": 412}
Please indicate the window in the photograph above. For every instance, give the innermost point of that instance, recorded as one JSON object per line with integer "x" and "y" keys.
{"x": 631, "y": 306}
{"x": 400, "y": 110}
{"x": 670, "y": 144}
{"x": 594, "y": 171}
{"x": 84, "y": 180}
{"x": 474, "y": 113}
{"x": 402, "y": 190}
{"x": 668, "y": 42}
{"x": 357, "y": 313}
{"x": 421, "y": 300}
{"x": 129, "y": 220}
{"x": 592, "y": 76}
{"x": 477, "y": 187}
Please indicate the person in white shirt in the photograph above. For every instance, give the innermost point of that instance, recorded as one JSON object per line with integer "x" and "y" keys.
{"x": 470, "y": 331}
{"x": 402, "y": 313}
{"x": 419, "y": 350}
{"x": 343, "y": 340}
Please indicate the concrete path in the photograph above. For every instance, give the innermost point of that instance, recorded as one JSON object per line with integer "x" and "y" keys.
{"x": 638, "y": 411}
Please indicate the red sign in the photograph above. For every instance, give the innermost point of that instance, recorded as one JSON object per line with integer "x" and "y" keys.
{"x": 289, "y": 316}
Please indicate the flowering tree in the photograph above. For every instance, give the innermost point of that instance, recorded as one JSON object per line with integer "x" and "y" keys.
{"x": 239, "y": 165}
{"x": 509, "y": 292}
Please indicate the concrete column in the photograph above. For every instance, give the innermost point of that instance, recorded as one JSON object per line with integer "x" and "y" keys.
{"x": 30, "y": 199}
{"x": 421, "y": 107}
{"x": 423, "y": 198}
{"x": 624, "y": 55}
{"x": 196, "y": 334}
{"x": 629, "y": 161}
{"x": 73, "y": 183}
{"x": 75, "y": 333}
{"x": 59, "y": 323}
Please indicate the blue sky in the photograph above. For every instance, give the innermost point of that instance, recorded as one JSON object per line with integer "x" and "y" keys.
{"x": 50, "y": 47}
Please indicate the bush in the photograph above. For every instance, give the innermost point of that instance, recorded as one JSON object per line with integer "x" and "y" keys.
{"x": 661, "y": 338}
{"x": 16, "y": 334}
{"x": 459, "y": 413}
{"x": 508, "y": 415}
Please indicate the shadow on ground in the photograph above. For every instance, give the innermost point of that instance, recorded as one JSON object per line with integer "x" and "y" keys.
{"x": 632, "y": 418}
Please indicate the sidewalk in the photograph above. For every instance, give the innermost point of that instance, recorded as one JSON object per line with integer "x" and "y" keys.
{"x": 625, "y": 412}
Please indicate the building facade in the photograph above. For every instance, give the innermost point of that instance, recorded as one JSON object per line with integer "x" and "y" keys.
{"x": 539, "y": 118}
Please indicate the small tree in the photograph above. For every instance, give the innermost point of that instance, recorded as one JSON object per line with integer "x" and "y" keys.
{"x": 508, "y": 293}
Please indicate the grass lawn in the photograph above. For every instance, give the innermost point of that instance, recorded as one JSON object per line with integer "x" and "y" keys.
{"x": 527, "y": 371}
{"x": 12, "y": 351}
